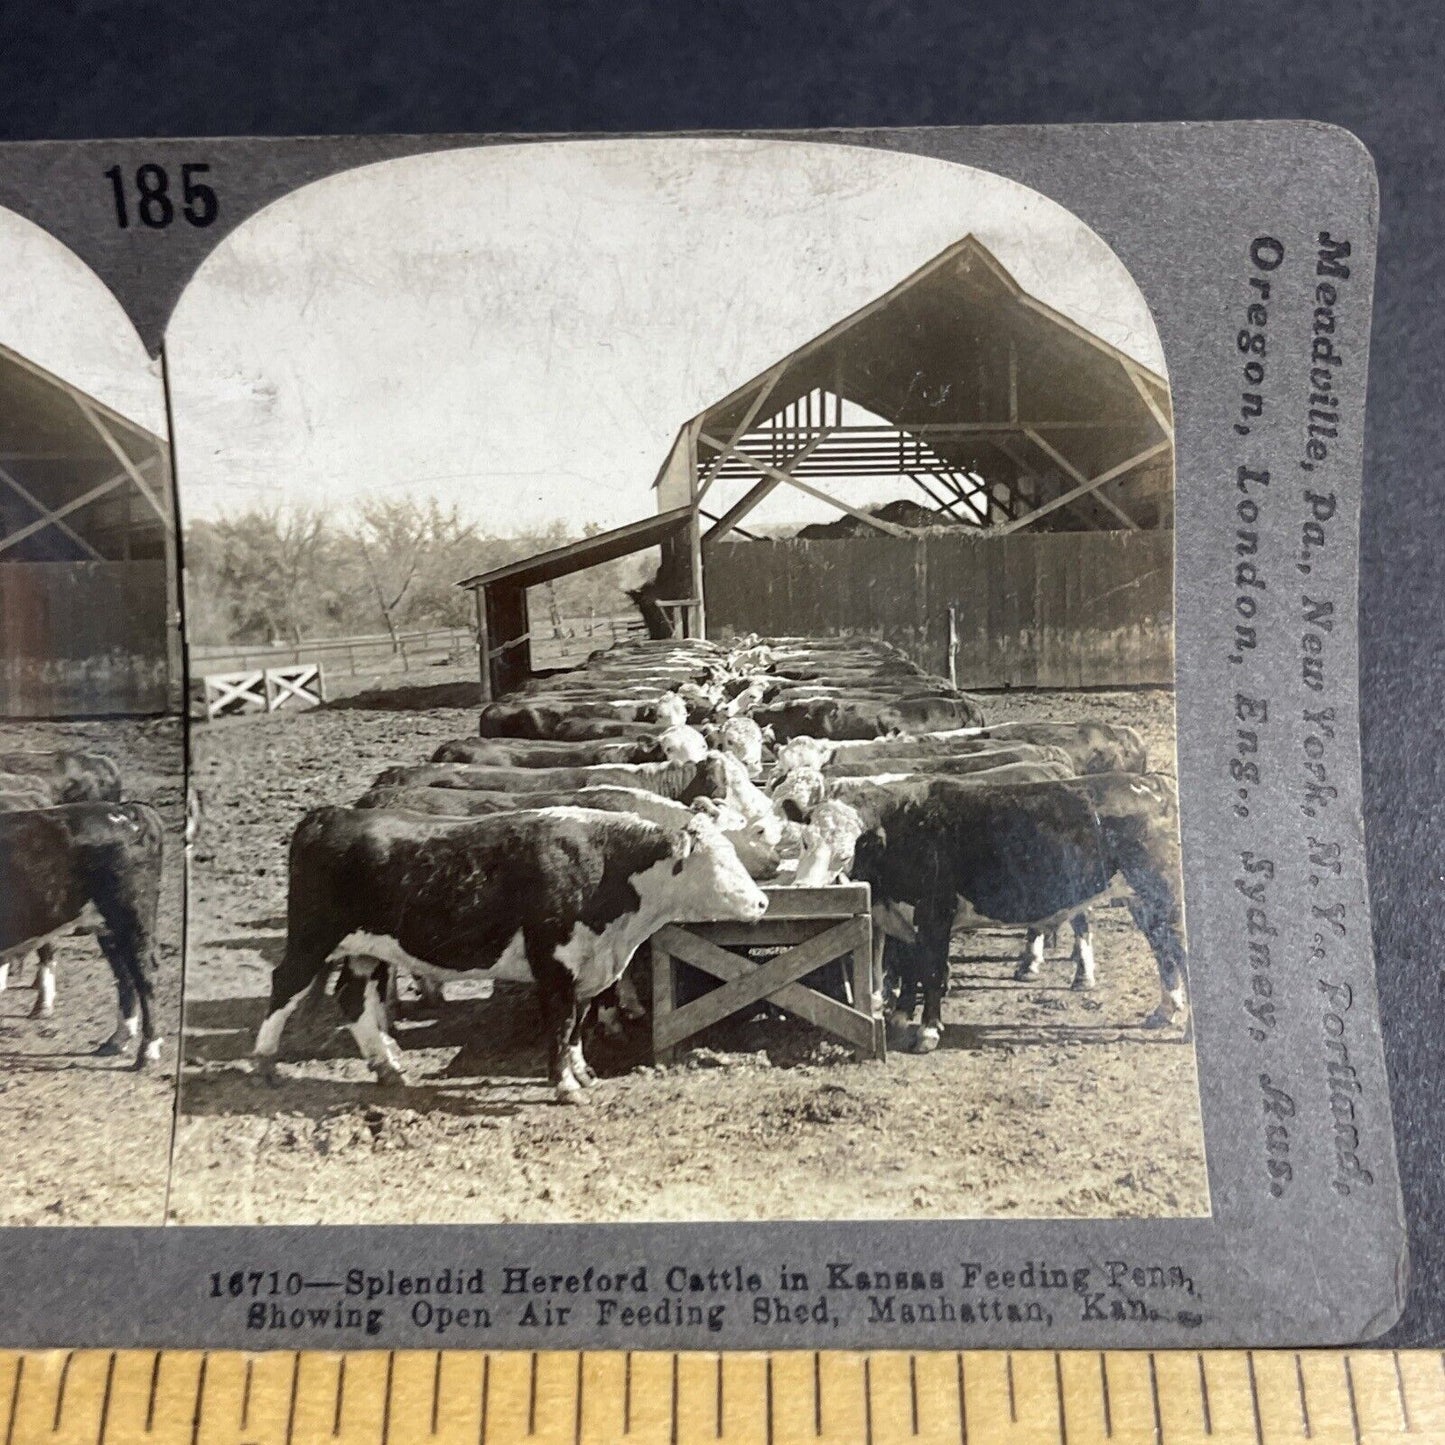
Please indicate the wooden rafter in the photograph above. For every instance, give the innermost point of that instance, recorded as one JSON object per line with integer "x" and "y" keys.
{"x": 1092, "y": 484}
{"x": 1166, "y": 424}
{"x": 122, "y": 456}
{"x": 73, "y": 505}
{"x": 773, "y": 478}
{"x": 1078, "y": 478}
{"x": 749, "y": 417}
{"x": 46, "y": 513}
{"x": 777, "y": 474}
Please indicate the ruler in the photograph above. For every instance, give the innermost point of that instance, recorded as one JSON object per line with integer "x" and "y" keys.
{"x": 179, "y": 1397}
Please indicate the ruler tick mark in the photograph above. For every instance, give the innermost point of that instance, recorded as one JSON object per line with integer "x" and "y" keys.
{"x": 1104, "y": 1390}
{"x": 15, "y": 1401}
{"x": 386, "y": 1400}
{"x": 1154, "y": 1396}
{"x": 1400, "y": 1391}
{"x": 962, "y": 1404}
{"x": 532, "y": 1396}
{"x": 340, "y": 1391}
{"x": 486, "y": 1398}
{"x": 1304, "y": 1407}
{"x": 1013, "y": 1413}
{"x": 436, "y": 1391}
{"x": 291, "y": 1409}
{"x": 867, "y": 1403}
{"x": 246, "y": 1396}
{"x": 913, "y": 1389}
{"x": 60, "y": 1392}
{"x": 577, "y": 1415}
{"x": 151, "y": 1397}
{"x": 673, "y": 1434}
{"x": 105, "y": 1399}
{"x": 1059, "y": 1387}
{"x": 1204, "y": 1396}
{"x": 1254, "y": 1397}
{"x": 200, "y": 1397}
{"x": 769, "y": 1402}
{"x": 627, "y": 1393}
{"x": 817, "y": 1393}
{"x": 1354, "y": 1409}
{"x": 718, "y": 1402}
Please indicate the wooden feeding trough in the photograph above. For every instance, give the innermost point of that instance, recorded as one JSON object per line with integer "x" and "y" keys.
{"x": 803, "y": 930}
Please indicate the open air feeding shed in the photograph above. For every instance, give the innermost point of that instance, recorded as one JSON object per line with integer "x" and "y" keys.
{"x": 1001, "y": 414}
{"x": 88, "y": 581}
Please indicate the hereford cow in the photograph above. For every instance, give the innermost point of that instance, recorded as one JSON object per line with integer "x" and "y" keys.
{"x": 756, "y": 849}
{"x": 98, "y": 865}
{"x": 928, "y": 713}
{"x": 510, "y": 753}
{"x": 70, "y": 777}
{"x": 1017, "y": 854}
{"x": 681, "y": 781}
{"x": 562, "y": 897}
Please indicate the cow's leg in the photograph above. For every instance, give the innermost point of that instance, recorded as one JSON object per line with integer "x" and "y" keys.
{"x": 1083, "y": 951}
{"x": 557, "y": 988}
{"x": 299, "y": 976}
{"x": 4, "y": 974}
{"x": 934, "y": 921}
{"x": 127, "y": 1001}
{"x": 45, "y": 983}
{"x": 1031, "y": 961}
{"x": 361, "y": 997}
{"x": 581, "y": 1069}
{"x": 1155, "y": 908}
{"x": 144, "y": 967}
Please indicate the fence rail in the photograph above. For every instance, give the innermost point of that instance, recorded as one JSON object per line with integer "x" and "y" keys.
{"x": 351, "y": 654}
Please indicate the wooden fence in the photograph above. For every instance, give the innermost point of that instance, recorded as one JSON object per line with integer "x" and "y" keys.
{"x": 1055, "y": 609}
{"x": 82, "y": 639}
{"x": 366, "y": 653}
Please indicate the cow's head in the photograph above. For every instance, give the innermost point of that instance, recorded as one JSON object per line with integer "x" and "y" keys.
{"x": 828, "y": 844}
{"x": 708, "y": 881}
{"x": 743, "y": 738}
{"x": 671, "y": 710}
{"x": 798, "y": 792}
{"x": 682, "y": 744}
{"x": 709, "y": 780}
{"x": 805, "y": 752}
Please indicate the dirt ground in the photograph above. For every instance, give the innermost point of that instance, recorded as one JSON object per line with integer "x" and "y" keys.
{"x": 1041, "y": 1102}
{"x": 85, "y": 1140}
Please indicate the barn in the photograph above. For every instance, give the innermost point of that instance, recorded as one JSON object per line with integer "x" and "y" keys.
{"x": 1037, "y": 549}
{"x": 88, "y": 575}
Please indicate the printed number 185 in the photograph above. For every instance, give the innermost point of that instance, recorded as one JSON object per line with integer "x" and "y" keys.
{"x": 154, "y": 204}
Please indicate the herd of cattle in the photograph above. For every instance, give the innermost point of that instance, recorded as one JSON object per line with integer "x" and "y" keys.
{"x": 664, "y": 780}
{"x": 74, "y": 856}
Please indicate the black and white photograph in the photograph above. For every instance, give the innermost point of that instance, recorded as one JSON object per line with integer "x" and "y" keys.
{"x": 680, "y": 643}
{"x": 92, "y": 766}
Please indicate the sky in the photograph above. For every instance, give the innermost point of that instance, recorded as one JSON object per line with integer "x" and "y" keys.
{"x": 521, "y": 330}
{"x": 59, "y": 314}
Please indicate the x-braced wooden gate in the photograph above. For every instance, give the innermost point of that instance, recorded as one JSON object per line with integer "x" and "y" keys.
{"x": 803, "y": 930}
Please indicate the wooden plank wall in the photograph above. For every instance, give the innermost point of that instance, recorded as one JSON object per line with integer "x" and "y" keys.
{"x": 1048, "y": 609}
{"x": 82, "y": 639}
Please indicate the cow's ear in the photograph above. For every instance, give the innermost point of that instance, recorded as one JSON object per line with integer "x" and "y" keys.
{"x": 682, "y": 846}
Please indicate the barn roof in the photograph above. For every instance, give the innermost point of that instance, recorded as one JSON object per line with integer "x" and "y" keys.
{"x": 77, "y": 479}
{"x": 589, "y": 552}
{"x": 960, "y": 355}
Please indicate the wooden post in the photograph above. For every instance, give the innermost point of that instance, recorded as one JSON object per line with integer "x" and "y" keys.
{"x": 952, "y": 644}
{"x": 483, "y": 646}
{"x": 663, "y": 996}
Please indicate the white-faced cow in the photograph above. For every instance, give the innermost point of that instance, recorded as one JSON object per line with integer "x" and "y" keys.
{"x": 97, "y": 865}
{"x": 562, "y": 897}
